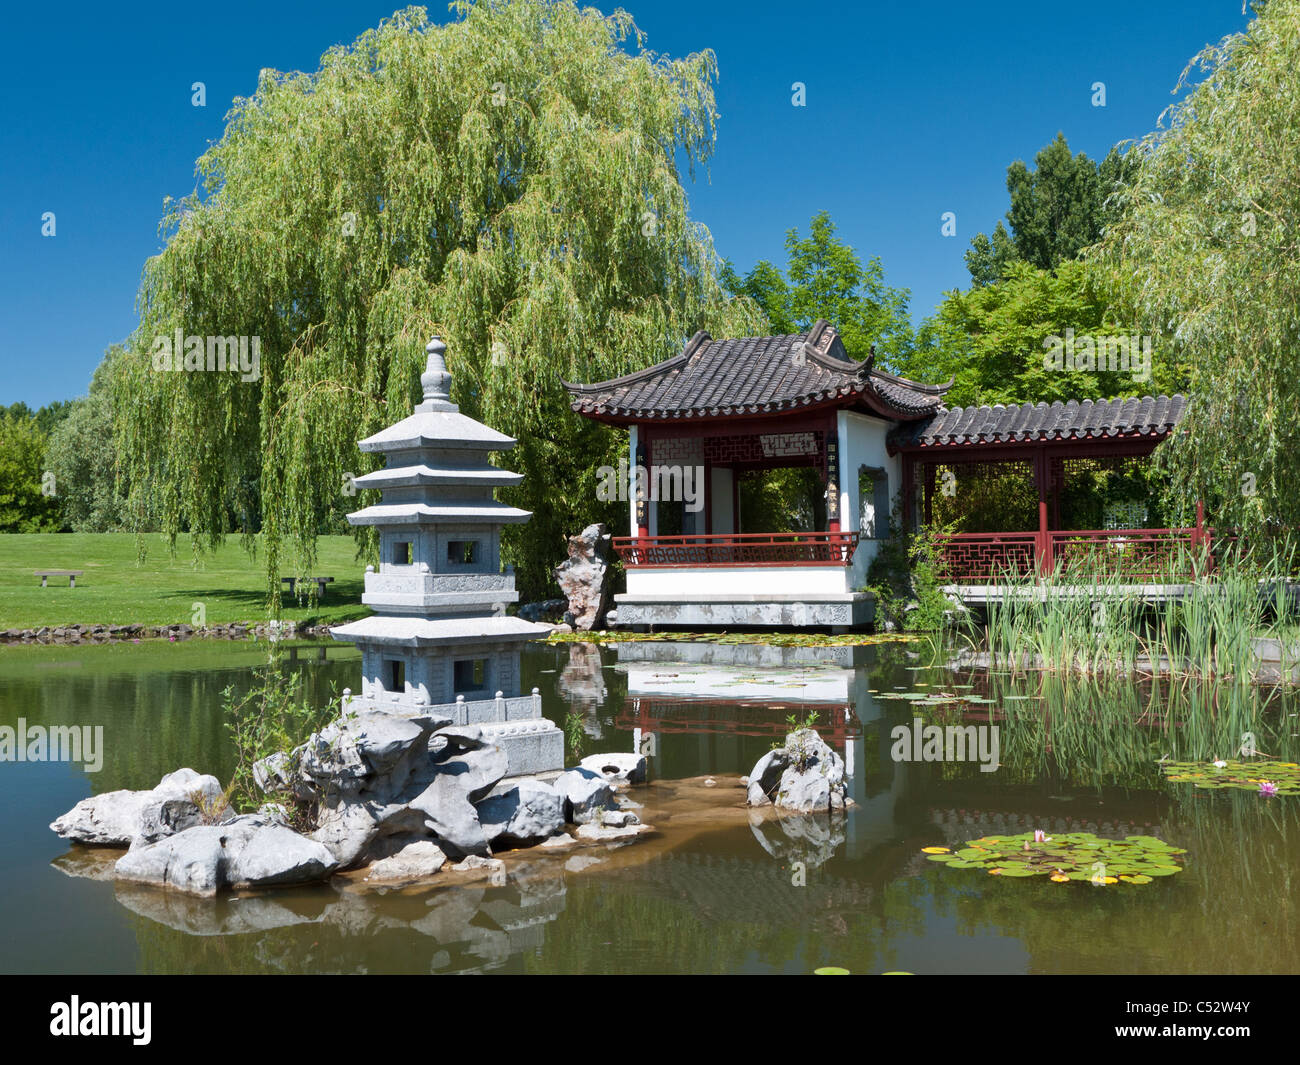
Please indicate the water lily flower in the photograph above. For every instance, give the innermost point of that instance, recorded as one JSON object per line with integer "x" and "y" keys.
{"x": 1041, "y": 837}
{"x": 1220, "y": 764}
{"x": 1267, "y": 787}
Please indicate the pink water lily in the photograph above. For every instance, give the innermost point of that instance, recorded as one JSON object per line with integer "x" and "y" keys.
{"x": 1267, "y": 787}
{"x": 1041, "y": 837}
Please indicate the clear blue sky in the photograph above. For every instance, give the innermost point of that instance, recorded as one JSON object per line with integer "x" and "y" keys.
{"x": 912, "y": 110}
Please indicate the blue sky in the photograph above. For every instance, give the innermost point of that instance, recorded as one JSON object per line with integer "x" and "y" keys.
{"x": 912, "y": 110}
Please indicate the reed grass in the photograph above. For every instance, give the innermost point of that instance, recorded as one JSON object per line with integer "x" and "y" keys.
{"x": 1092, "y": 615}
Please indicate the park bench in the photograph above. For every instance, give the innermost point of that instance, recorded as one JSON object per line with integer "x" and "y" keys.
{"x": 320, "y": 584}
{"x": 71, "y": 574}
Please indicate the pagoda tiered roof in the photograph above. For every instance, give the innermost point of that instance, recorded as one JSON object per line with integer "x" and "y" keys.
{"x": 473, "y": 511}
{"x": 422, "y": 474}
{"x": 442, "y": 429}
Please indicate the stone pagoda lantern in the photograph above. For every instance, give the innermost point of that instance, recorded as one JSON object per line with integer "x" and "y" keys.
{"x": 440, "y": 640}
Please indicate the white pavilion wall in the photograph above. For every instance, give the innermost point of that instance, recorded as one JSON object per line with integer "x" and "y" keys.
{"x": 862, "y": 443}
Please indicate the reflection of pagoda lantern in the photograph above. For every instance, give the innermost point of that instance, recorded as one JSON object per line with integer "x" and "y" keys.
{"x": 440, "y": 639}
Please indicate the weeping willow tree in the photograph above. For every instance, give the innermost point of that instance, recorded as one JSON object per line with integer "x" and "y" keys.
{"x": 1206, "y": 252}
{"x": 510, "y": 181}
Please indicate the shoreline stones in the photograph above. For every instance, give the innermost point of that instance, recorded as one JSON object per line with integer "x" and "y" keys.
{"x": 92, "y": 633}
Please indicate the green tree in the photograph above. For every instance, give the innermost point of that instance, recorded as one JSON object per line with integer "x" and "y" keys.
{"x": 509, "y": 181}
{"x": 993, "y": 339}
{"x": 1205, "y": 252}
{"x": 24, "y": 505}
{"x": 826, "y": 278}
{"x": 47, "y": 418}
{"x": 83, "y": 459}
{"x": 1057, "y": 209}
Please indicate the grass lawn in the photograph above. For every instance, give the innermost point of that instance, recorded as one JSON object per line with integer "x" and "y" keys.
{"x": 117, "y": 590}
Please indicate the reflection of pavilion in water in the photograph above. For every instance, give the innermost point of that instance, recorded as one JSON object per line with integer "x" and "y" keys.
{"x": 739, "y": 689}
{"x": 724, "y": 692}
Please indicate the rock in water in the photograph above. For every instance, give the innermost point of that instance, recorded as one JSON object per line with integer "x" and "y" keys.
{"x": 765, "y": 776}
{"x": 248, "y": 851}
{"x": 583, "y": 576}
{"x": 619, "y": 766}
{"x": 804, "y": 775}
{"x": 522, "y": 812}
{"x": 119, "y": 818}
{"x": 585, "y": 795}
{"x": 608, "y": 833}
{"x": 413, "y": 862}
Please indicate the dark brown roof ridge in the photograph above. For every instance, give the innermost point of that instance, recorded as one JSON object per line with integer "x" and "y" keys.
{"x": 755, "y": 375}
{"x": 1072, "y": 419}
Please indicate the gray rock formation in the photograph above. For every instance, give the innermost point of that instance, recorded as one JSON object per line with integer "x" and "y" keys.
{"x": 804, "y": 775}
{"x": 247, "y": 851}
{"x": 119, "y": 818}
{"x": 415, "y": 861}
{"x": 585, "y": 794}
{"x": 617, "y": 767}
{"x": 521, "y": 813}
{"x": 583, "y": 577}
{"x": 383, "y": 773}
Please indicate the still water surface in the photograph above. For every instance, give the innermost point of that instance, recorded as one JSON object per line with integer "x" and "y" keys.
{"x": 718, "y": 889}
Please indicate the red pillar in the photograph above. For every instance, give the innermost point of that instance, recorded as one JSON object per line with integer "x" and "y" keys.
{"x": 1043, "y": 548}
{"x": 708, "y": 497}
{"x": 1201, "y": 538}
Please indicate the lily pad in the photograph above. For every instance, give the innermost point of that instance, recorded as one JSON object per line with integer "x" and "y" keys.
{"x": 1243, "y": 775}
{"x": 1071, "y": 856}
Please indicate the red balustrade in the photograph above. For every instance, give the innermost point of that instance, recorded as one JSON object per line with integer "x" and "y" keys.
{"x": 736, "y": 717}
{"x": 988, "y": 556}
{"x": 1137, "y": 553}
{"x": 738, "y": 549}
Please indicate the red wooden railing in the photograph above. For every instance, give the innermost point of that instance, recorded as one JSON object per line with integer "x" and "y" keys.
{"x": 738, "y": 549}
{"x": 736, "y": 717}
{"x": 1139, "y": 553}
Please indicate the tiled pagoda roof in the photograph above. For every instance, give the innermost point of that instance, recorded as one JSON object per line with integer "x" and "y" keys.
{"x": 1150, "y": 416}
{"x": 755, "y": 376}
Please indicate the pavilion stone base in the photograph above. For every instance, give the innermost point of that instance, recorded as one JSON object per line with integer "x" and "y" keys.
{"x": 836, "y": 611}
{"x": 532, "y": 744}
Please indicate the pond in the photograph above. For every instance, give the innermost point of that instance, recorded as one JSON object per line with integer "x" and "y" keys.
{"x": 718, "y": 888}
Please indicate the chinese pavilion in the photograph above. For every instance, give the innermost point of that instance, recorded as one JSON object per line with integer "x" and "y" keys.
{"x": 879, "y": 445}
